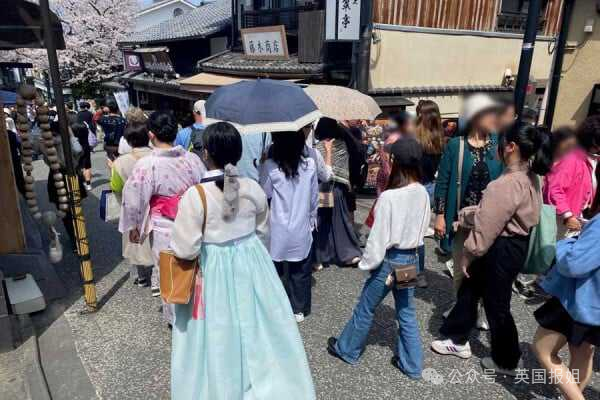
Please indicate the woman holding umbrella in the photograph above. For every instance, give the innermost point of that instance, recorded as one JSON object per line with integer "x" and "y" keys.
{"x": 335, "y": 239}
{"x": 290, "y": 182}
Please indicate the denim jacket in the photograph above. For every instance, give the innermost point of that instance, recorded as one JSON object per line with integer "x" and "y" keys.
{"x": 575, "y": 279}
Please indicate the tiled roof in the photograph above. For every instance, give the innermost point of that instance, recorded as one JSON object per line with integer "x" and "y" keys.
{"x": 203, "y": 21}
{"x": 416, "y": 90}
{"x": 236, "y": 64}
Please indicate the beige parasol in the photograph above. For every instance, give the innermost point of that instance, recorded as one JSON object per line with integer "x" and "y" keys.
{"x": 342, "y": 103}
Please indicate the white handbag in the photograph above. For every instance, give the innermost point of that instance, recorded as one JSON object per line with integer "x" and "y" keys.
{"x": 110, "y": 206}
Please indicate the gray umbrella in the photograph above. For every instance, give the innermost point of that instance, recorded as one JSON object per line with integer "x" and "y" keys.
{"x": 262, "y": 105}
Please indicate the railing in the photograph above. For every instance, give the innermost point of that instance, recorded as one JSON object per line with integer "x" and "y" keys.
{"x": 516, "y": 23}
{"x": 276, "y": 16}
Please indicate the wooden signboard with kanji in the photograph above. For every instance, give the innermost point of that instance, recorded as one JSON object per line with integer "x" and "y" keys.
{"x": 265, "y": 43}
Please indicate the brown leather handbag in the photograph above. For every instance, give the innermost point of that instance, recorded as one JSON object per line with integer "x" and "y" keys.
{"x": 177, "y": 276}
{"x": 405, "y": 276}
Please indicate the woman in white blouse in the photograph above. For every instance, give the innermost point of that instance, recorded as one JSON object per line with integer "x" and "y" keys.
{"x": 290, "y": 182}
{"x": 402, "y": 216}
{"x": 237, "y": 339}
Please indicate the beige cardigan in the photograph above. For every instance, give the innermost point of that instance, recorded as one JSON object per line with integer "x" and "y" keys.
{"x": 510, "y": 207}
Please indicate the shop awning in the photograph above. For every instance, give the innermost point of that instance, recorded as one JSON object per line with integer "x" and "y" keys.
{"x": 206, "y": 82}
{"x": 7, "y": 97}
{"x": 151, "y": 49}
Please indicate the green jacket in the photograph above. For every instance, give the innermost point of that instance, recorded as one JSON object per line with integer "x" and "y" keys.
{"x": 446, "y": 182}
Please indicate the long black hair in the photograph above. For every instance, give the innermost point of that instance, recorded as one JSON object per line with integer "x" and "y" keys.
{"x": 328, "y": 128}
{"x": 534, "y": 145}
{"x": 287, "y": 150}
{"x": 223, "y": 144}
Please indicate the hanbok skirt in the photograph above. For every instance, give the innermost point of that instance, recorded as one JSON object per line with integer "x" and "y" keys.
{"x": 248, "y": 346}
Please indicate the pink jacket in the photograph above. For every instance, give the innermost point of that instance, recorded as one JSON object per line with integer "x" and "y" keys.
{"x": 568, "y": 186}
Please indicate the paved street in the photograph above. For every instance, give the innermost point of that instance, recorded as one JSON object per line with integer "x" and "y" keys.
{"x": 125, "y": 346}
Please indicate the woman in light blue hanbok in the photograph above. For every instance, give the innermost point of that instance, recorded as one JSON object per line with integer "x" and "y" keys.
{"x": 237, "y": 339}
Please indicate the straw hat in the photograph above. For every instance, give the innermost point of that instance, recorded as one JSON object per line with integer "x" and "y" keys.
{"x": 475, "y": 105}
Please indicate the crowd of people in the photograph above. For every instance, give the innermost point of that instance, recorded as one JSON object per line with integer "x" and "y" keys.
{"x": 265, "y": 212}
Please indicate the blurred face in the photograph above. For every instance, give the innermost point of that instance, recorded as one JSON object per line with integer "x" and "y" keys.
{"x": 410, "y": 128}
{"x": 564, "y": 147}
{"x": 486, "y": 122}
{"x": 507, "y": 117}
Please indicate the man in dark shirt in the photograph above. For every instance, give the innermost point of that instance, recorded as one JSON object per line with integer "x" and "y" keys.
{"x": 86, "y": 116}
{"x": 113, "y": 126}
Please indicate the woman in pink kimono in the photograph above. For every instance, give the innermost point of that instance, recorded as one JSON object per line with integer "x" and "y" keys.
{"x": 152, "y": 192}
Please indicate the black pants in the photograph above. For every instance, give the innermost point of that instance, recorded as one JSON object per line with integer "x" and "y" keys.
{"x": 296, "y": 279}
{"x": 491, "y": 278}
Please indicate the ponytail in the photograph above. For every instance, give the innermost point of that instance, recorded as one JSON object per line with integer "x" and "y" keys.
{"x": 534, "y": 144}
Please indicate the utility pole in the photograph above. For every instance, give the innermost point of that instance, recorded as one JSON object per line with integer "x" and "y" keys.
{"x": 363, "y": 63}
{"x": 73, "y": 190}
{"x": 558, "y": 62}
{"x": 527, "y": 55}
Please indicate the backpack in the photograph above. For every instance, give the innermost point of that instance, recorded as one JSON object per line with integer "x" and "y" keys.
{"x": 197, "y": 141}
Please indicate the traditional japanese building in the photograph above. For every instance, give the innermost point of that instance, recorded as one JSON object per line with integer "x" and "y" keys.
{"x": 156, "y": 58}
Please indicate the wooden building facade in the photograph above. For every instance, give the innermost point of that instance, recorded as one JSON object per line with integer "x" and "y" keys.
{"x": 478, "y": 15}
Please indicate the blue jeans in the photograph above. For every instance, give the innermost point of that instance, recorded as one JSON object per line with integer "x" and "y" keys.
{"x": 353, "y": 339}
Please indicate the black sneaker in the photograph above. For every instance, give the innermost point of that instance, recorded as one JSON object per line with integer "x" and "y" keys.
{"x": 331, "y": 342}
{"x": 141, "y": 282}
{"x": 155, "y": 292}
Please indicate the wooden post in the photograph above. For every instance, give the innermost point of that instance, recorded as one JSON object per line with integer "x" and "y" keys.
{"x": 12, "y": 234}
{"x": 83, "y": 249}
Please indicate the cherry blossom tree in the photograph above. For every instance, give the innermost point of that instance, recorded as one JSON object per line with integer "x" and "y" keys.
{"x": 92, "y": 29}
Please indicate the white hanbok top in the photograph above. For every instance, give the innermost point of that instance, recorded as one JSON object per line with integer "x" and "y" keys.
{"x": 252, "y": 217}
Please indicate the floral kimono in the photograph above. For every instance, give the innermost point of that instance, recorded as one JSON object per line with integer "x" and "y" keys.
{"x": 150, "y": 198}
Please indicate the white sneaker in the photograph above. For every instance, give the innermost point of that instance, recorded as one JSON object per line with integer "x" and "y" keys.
{"x": 450, "y": 267}
{"x": 449, "y": 348}
{"x": 299, "y": 317}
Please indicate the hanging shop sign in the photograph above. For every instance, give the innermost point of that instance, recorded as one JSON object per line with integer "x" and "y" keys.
{"x": 265, "y": 43}
{"x": 156, "y": 60}
{"x": 342, "y": 20}
{"x": 132, "y": 61}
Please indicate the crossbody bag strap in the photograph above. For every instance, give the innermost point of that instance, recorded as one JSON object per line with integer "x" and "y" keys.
{"x": 461, "y": 156}
{"x": 202, "y": 195}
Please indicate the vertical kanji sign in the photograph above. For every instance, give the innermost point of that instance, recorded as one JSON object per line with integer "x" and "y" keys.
{"x": 343, "y": 20}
